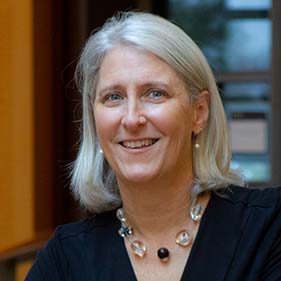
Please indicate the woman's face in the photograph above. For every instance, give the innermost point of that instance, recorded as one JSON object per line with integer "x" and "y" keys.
{"x": 143, "y": 117}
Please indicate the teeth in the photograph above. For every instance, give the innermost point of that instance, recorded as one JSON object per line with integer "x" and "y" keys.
{"x": 138, "y": 144}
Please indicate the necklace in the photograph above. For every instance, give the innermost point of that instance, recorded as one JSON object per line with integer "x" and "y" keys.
{"x": 183, "y": 237}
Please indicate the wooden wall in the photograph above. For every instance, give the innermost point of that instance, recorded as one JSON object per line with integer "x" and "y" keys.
{"x": 26, "y": 138}
{"x": 16, "y": 123}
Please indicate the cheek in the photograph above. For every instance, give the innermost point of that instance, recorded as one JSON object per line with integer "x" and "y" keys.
{"x": 105, "y": 123}
{"x": 173, "y": 120}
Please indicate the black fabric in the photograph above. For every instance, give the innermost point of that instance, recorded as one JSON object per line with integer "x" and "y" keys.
{"x": 239, "y": 238}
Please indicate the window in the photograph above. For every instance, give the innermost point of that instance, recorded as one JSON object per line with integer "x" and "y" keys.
{"x": 236, "y": 37}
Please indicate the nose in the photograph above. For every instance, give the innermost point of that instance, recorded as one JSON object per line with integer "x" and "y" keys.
{"x": 133, "y": 117}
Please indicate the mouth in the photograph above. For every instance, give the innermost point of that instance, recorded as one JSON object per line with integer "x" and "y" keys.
{"x": 138, "y": 143}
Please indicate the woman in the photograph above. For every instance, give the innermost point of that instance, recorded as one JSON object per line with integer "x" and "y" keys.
{"x": 153, "y": 167}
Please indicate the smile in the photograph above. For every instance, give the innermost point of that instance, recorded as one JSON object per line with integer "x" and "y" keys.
{"x": 139, "y": 143}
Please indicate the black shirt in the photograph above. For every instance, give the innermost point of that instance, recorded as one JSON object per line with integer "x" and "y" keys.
{"x": 239, "y": 238}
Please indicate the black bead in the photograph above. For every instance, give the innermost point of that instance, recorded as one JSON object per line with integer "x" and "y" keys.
{"x": 163, "y": 253}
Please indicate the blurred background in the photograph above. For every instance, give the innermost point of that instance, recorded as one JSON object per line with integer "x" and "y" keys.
{"x": 40, "y": 42}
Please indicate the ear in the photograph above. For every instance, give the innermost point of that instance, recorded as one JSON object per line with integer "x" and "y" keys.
{"x": 201, "y": 111}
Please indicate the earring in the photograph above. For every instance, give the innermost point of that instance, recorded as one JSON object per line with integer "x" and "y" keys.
{"x": 196, "y": 145}
{"x": 101, "y": 151}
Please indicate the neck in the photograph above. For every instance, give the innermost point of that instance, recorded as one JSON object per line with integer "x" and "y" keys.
{"x": 151, "y": 206}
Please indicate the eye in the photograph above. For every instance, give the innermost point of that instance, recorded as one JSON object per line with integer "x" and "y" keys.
{"x": 113, "y": 98}
{"x": 156, "y": 94}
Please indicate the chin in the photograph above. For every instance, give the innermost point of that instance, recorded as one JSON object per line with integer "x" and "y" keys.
{"x": 138, "y": 177}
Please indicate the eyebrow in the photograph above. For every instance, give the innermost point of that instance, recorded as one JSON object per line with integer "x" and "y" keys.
{"x": 147, "y": 85}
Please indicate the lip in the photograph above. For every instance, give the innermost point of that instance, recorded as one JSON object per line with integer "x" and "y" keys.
{"x": 138, "y": 144}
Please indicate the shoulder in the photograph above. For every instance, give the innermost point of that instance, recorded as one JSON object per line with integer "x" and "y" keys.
{"x": 75, "y": 228}
{"x": 85, "y": 226}
{"x": 249, "y": 219}
{"x": 246, "y": 205}
{"x": 76, "y": 241}
{"x": 75, "y": 248}
{"x": 269, "y": 197}
{"x": 247, "y": 213}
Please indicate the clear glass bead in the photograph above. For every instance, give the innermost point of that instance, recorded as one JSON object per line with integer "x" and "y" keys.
{"x": 183, "y": 238}
{"x": 196, "y": 212}
{"x": 121, "y": 215}
{"x": 138, "y": 248}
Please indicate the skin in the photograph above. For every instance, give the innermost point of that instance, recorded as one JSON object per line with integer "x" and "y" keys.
{"x": 145, "y": 121}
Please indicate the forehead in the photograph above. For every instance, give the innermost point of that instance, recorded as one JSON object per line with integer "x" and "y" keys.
{"x": 133, "y": 63}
